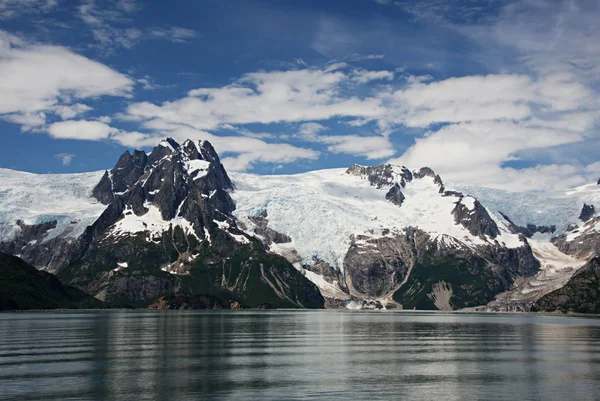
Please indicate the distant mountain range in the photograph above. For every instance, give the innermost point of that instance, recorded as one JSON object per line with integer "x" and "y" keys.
{"x": 174, "y": 225}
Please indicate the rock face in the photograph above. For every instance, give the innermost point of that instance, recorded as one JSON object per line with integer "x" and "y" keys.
{"x": 409, "y": 268}
{"x": 580, "y": 295}
{"x": 475, "y": 218}
{"x": 185, "y": 301}
{"x": 383, "y": 175}
{"x": 395, "y": 195}
{"x": 529, "y": 230}
{"x": 587, "y": 212}
{"x": 22, "y": 286}
{"x": 168, "y": 227}
{"x": 31, "y": 245}
{"x": 581, "y": 240}
{"x": 270, "y": 236}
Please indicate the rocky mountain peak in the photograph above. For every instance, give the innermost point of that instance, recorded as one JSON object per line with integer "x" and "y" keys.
{"x": 184, "y": 184}
{"x": 475, "y": 218}
{"x": 383, "y": 175}
{"x": 428, "y": 172}
{"x": 396, "y": 178}
{"x": 190, "y": 161}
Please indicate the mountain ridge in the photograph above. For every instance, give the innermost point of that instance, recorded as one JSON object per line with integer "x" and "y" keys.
{"x": 174, "y": 221}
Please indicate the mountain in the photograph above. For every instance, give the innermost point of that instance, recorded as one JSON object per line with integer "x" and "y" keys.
{"x": 22, "y": 287}
{"x": 582, "y": 291}
{"x": 386, "y": 235}
{"x": 173, "y": 224}
{"x": 581, "y": 294}
{"x": 167, "y": 226}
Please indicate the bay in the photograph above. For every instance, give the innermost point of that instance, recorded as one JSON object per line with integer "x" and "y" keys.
{"x": 297, "y": 355}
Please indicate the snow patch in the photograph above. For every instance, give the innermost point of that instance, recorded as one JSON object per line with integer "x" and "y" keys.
{"x": 326, "y": 288}
{"x": 200, "y": 166}
{"x": 151, "y": 222}
{"x": 165, "y": 144}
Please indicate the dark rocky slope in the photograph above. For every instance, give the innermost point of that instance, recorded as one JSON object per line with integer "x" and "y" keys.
{"x": 580, "y": 295}
{"x": 22, "y": 287}
{"x": 168, "y": 227}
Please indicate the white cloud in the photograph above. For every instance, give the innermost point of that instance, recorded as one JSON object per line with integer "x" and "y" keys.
{"x": 241, "y": 153}
{"x": 67, "y": 112}
{"x": 128, "y": 6}
{"x": 260, "y": 97}
{"x": 81, "y": 129}
{"x": 15, "y": 8}
{"x": 27, "y": 121}
{"x": 111, "y": 25}
{"x": 485, "y": 98}
{"x": 65, "y": 158}
{"x": 28, "y": 95}
{"x": 174, "y": 34}
{"x": 474, "y": 153}
{"x": 371, "y": 147}
{"x": 364, "y": 76}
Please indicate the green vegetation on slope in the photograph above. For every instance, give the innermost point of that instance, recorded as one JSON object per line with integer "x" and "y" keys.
{"x": 581, "y": 294}
{"x": 22, "y": 286}
{"x": 472, "y": 281}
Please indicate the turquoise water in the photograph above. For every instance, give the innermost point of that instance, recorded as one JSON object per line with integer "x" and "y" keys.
{"x": 297, "y": 355}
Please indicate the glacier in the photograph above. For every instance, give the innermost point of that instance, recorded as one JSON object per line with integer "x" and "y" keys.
{"x": 40, "y": 198}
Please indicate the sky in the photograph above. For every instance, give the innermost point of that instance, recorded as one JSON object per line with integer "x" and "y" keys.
{"x": 502, "y": 94}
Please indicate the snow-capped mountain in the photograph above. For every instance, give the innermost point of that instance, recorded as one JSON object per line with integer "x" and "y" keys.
{"x": 367, "y": 228}
{"x": 173, "y": 221}
{"x": 321, "y": 210}
{"x": 168, "y": 227}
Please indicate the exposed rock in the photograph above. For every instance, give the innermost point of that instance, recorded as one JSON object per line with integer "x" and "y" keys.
{"x": 580, "y": 295}
{"x": 374, "y": 267}
{"x": 440, "y": 295}
{"x": 453, "y": 193}
{"x": 31, "y": 245}
{"x": 587, "y": 212}
{"x": 270, "y": 235}
{"x": 383, "y": 175}
{"x": 428, "y": 172}
{"x": 580, "y": 241}
{"x": 530, "y": 229}
{"x": 476, "y": 219}
{"x": 395, "y": 195}
{"x": 187, "y": 301}
{"x": 409, "y": 266}
{"x": 322, "y": 268}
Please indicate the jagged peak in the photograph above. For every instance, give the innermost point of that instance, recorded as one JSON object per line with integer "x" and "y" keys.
{"x": 191, "y": 161}
{"x": 169, "y": 143}
{"x": 383, "y": 175}
{"x": 390, "y": 174}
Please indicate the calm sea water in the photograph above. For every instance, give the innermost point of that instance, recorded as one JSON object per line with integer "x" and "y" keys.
{"x": 284, "y": 355}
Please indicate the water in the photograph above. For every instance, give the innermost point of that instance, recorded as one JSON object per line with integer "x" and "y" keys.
{"x": 284, "y": 355}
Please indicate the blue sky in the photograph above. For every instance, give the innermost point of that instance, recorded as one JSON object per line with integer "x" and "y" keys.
{"x": 496, "y": 93}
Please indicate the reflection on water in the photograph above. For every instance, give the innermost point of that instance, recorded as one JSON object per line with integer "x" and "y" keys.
{"x": 281, "y": 355}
